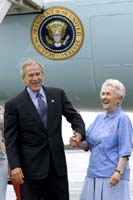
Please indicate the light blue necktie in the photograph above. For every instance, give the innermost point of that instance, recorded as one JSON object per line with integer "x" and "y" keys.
{"x": 42, "y": 109}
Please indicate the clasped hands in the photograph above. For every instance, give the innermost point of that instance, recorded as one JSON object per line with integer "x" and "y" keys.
{"x": 75, "y": 139}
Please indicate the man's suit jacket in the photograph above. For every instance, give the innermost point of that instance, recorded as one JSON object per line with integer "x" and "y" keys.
{"x": 28, "y": 143}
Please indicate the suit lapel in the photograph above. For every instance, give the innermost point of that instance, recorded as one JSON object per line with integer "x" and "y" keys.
{"x": 48, "y": 105}
{"x": 51, "y": 106}
{"x": 31, "y": 109}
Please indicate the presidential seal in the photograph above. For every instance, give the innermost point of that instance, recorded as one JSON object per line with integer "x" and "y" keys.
{"x": 57, "y": 33}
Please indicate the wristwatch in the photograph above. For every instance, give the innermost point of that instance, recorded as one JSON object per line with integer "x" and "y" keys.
{"x": 119, "y": 171}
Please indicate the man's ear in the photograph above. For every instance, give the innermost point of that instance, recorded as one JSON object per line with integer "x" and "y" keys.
{"x": 23, "y": 78}
{"x": 43, "y": 77}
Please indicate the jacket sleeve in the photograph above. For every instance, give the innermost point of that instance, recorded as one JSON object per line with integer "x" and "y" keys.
{"x": 72, "y": 116}
{"x": 11, "y": 134}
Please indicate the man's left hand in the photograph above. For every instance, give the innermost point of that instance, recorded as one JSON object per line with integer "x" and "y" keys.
{"x": 75, "y": 139}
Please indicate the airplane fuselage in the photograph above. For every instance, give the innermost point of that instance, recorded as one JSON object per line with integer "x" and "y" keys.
{"x": 103, "y": 49}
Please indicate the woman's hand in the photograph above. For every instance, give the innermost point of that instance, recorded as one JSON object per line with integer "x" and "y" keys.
{"x": 83, "y": 145}
{"x": 115, "y": 178}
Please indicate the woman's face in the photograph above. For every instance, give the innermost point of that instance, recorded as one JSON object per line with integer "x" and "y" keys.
{"x": 109, "y": 99}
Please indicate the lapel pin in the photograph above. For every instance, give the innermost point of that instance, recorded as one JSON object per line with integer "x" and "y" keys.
{"x": 52, "y": 100}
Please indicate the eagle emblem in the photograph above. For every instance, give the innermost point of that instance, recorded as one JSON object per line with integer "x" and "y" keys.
{"x": 57, "y": 32}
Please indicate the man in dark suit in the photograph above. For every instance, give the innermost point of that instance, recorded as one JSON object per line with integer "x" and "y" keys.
{"x": 34, "y": 142}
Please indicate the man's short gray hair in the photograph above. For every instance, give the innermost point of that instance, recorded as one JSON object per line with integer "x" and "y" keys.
{"x": 117, "y": 85}
{"x": 30, "y": 62}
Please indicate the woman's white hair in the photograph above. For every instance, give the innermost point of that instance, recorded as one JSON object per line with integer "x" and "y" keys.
{"x": 117, "y": 85}
{"x": 30, "y": 62}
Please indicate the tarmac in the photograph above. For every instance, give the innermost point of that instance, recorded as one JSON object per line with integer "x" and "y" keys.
{"x": 77, "y": 162}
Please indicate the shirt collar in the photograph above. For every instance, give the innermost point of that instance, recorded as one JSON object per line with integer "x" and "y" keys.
{"x": 33, "y": 94}
{"x": 41, "y": 92}
{"x": 114, "y": 113}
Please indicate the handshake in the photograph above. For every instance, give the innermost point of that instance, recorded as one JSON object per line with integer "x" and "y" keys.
{"x": 75, "y": 141}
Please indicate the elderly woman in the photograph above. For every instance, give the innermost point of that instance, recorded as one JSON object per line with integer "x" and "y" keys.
{"x": 3, "y": 160}
{"x": 109, "y": 138}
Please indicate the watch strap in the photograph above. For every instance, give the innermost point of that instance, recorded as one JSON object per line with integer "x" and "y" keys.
{"x": 119, "y": 171}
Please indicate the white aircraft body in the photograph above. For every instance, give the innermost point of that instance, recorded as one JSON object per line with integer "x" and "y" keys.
{"x": 80, "y": 42}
